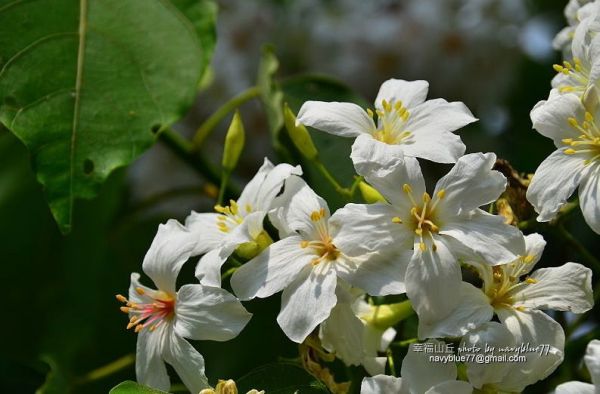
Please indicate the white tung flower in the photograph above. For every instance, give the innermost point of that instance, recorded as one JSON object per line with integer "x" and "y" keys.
{"x": 313, "y": 251}
{"x": 347, "y": 334}
{"x": 432, "y": 229}
{"x": 518, "y": 297}
{"x": 419, "y": 376}
{"x": 576, "y": 162}
{"x": 405, "y": 124}
{"x": 219, "y": 234}
{"x": 164, "y": 317}
{"x": 575, "y": 12}
{"x": 592, "y": 362}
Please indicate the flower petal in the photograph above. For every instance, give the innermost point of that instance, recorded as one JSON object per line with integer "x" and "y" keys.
{"x": 592, "y": 360}
{"x": 489, "y": 334}
{"x": 208, "y": 269}
{"x": 589, "y": 198}
{"x": 421, "y": 374}
{"x": 187, "y": 362}
{"x": 307, "y": 301}
{"x": 575, "y": 387}
{"x": 554, "y": 182}
{"x": 549, "y": 118}
{"x": 386, "y": 172}
{"x": 433, "y": 281}
{"x": 343, "y": 119}
{"x": 451, "y": 387}
{"x": 471, "y": 183}
{"x": 564, "y": 288}
{"x": 473, "y": 310}
{"x": 265, "y": 185}
{"x": 486, "y": 236}
{"x": 383, "y": 384}
{"x": 150, "y": 370}
{"x": 382, "y": 273}
{"x": 207, "y": 233}
{"x": 410, "y": 93}
{"x": 171, "y": 248}
{"x": 208, "y": 313}
{"x": 272, "y": 270}
{"x": 342, "y": 333}
{"x": 532, "y": 328}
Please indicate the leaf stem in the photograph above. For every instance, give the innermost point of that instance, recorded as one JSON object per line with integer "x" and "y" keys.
{"x": 578, "y": 246}
{"x": 224, "y": 182}
{"x": 209, "y": 124}
{"x": 331, "y": 179}
{"x": 108, "y": 369}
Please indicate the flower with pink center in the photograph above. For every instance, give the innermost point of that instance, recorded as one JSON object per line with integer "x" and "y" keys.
{"x": 163, "y": 318}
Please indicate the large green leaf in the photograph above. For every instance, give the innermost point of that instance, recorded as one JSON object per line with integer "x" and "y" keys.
{"x": 281, "y": 378}
{"x": 83, "y": 83}
{"x": 130, "y": 387}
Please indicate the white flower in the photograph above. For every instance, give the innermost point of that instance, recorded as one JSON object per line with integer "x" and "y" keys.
{"x": 313, "y": 251}
{"x": 576, "y": 162}
{"x": 419, "y": 376}
{"x": 348, "y": 335}
{"x": 406, "y": 123}
{"x": 592, "y": 361}
{"x": 431, "y": 230}
{"x": 575, "y": 12}
{"x": 518, "y": 303}
{"x": 219, "y": 234}
{"x": 164, "y": 317}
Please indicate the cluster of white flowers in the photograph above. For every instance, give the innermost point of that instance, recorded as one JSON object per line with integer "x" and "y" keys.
{"x": 423, "y": 245}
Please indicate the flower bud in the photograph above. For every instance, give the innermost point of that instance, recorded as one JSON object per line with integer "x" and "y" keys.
{"x": 369, "y": 193}
{"x": 234, "y": 143}
{"x": 385, "y": 316}
{"x": 249, "y": 250}
{"x": 299, "y": 135}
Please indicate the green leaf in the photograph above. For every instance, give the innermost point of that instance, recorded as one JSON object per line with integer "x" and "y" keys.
{"x": 334, "y": 151}
{"x": 129, "y": 387}
{"x": 83, "y": 83}
{"x": 281, "y": 378}
{"x": 56, "y": 382}
{"x": 271, "y": 94}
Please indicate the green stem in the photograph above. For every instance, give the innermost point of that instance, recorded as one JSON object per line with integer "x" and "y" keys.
{"x": 390, "y": 358}
{"x": 405, "y": 342}
{"x": 357, "y": 180}
{"x": 183, "y": 149}
{"x": 228, "y": 273}
{"x": 209, "y": 124}
{"x": 331, "y": 179}
{"x": 582, "y": 250}
{"x": 223, "y": 187}
{"x": 107, "y": 369}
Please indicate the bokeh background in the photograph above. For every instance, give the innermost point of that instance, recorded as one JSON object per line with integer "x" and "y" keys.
{"x": 58, "y": 307}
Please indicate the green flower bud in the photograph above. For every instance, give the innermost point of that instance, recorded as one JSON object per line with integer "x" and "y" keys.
{"x": 299, "y": 135}
{"x": 249, "y": 250}
{"x": 384, "y": 316}
{"x": 369, "y": 193}
{"x": 234, "y": 143}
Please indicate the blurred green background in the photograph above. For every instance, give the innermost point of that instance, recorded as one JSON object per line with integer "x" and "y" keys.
{"x": 58, "y": 291}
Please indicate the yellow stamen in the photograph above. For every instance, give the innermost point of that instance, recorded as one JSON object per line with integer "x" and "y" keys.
{"x": 139, "y": 290}
{"x": 441, "y": 194}
{"x": 406, "y": 187}
{"x": 396, "y": 220}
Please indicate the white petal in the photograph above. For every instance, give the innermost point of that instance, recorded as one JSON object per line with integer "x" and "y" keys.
{"x": 432, "y": 124}
{"x": 471, "y": 183}
{"x": 187, "y": 362}
{"x": 247, "y": 231}
{"x": 534, "y": 247}
{"x": 451, "y": 387}
{"x": 553, "y": 183}
{"x": 272, "y": 270}
{"x": 549, "y": 118}
{"x": 592, "y": 360}
{"x": 487, "y": 236}
{"x": 342, "y": 333}
{"x": 171, "y": 248}
{"x": 564, "y": 288}
{"x": 295, "y": 206}
{"x": 205, "y": 229}
{"x": 387, "y": 173}
{"x": 136, "y": 297}
{"x": 589, "y": 198}
{"x": 422, "y": 374}
{"x": 343, "y": 119}
{"x": 307, "y": 302}
{"x": 150, "y": 369}
{"x": 575, "y": 388}
{"x": 383, "y": 384}
{"x": 382, "y": 274}
{"x": 432, "y": 282}
{"x": 208, "y": 269}
{"x": 490, "y": 334}
{"x": 208, "y": 313}
{"x": 533, "y": 328}
{"x": 410, "y": 93}
{"x": 266, "y": 184}
{"x": 473, "y": 310}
